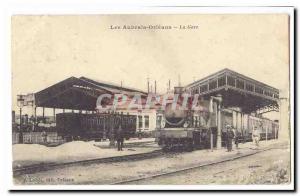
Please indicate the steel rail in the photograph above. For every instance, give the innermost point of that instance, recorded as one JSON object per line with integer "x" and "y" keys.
{"x": 191, "y": 167}
{"x": 50, "y": 166}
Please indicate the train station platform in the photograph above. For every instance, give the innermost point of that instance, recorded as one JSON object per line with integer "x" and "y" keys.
{"x": 26, "y": 155}
{"x": 33, "y": 154}
{"x": 166, "y": 163}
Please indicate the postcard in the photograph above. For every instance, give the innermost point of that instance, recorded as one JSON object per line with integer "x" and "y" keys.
{"x": 166, "y": 100}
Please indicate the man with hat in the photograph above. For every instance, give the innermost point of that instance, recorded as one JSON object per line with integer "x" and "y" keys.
{"x": 236, "y": 137}
{"x": 229, "y": 137}
{"x": 120, "y": 138}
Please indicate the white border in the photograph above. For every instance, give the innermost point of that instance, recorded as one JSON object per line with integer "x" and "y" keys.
{"x": 33, "y": 7}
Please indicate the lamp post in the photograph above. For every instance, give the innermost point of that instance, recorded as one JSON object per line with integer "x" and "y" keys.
{"x": 20, "y": 103}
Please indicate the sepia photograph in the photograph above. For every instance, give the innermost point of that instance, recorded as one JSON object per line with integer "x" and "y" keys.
{"x": 152, "y": 99}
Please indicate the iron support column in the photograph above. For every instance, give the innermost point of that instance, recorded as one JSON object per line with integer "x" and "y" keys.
{"x": 284, "y": 130}
{"x": 20, "y": 119}
{"x": 210, "y": 124}
{"x": 21, "y": 133}
{"x": 35, "y": 119}
{"x": 219, "y": 134}
{"x": 54, "y": 117}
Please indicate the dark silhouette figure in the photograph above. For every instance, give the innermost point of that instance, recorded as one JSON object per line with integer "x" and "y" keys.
{"x": 236, "y": 137}
{"x": 120, "y": 139}
{"x": 44, "y": 136}
{"x": 230, "y": 136}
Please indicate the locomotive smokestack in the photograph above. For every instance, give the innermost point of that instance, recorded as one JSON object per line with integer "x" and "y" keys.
{"x": 179, "y": 83}
{"x": 169, "y": 87}
{"x": 155, "y": 86}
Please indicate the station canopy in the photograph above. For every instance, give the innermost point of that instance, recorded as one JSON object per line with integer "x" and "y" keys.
{"x": 78, "y": 93}
{"x": 237, "y": 90}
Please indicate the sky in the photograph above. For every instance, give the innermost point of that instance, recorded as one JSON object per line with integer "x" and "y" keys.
{"x": 47, "y": 49}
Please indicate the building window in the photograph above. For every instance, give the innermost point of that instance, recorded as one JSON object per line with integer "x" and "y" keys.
{"x": 240, "y": 84}
{"x": 203, "y": 88}
{"x": 249, "y": 87}
{"x": 146, "y": 122}
{"x": 268, "y": 93}
{"x": 259, "y": 90}
{"x": 230, "y": 81}
{"x": 212, "y": 84}
{"x": 221, "y": 81}
{"x": 140, "y": 120}
{"x": 196, "y": 121}
{"x": 158, "y": 121}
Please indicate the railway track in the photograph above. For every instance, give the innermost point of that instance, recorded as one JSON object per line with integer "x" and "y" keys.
{"x": 133, "y": 157}
{"x": 191, "y": 167}
{"x": 51, "y": 166}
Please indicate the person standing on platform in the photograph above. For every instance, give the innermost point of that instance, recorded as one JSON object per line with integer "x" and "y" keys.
{"x": 256, "y": 136}
{"x": 236, "y": 137}
{"x": 44, "y": 136}
{"x": 230, "y": 136}
{"x": 120, "y": 139}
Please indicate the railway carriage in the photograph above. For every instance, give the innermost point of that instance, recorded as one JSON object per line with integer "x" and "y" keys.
{"x": 268, "y": 128}
{"x": 94, "y": 126}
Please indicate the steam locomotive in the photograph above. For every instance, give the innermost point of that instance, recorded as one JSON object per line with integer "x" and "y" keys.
{"x": 187, "y": 129}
